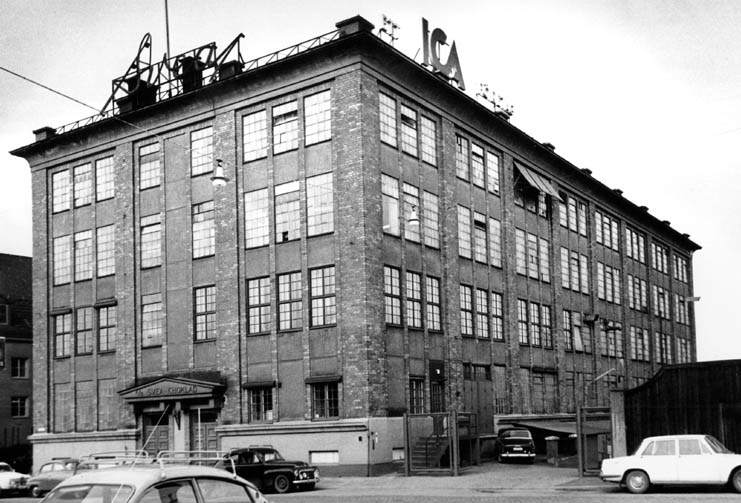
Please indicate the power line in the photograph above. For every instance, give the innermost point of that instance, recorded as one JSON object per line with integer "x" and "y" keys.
{"x": 127, "y": 123}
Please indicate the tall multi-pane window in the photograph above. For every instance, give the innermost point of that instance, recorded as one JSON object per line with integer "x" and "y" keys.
{"x": 285, "y": 127}
{"x": 411, "y": 212}
{"x": 150, "y": 169}
{"x": 322, "y": 299}
{"x": 290, "y": 304}
{"x": 255, "y": 135}
{"x": 104, "y": 179}
{"x": 151, "y": 246}
{"x": 492, "y": 172}
{"x": 84, "y": 330}
{"x": 466, "y": 297}
{"x": 317, "y": 117}
{"x": 479, "y": 237}
{"x": 107, "y": 404}
{"x": 152, "y": 320}
{"x": 520, "y": 252}
{"x": 635, "y": 245}
{"x": 83, "y": 255}
{"x": 608, "y": 283}
{"x": 680, "y": 310}
{"x": 544, "y": 261}
{"x": 319, "y": 204}
{"x": 413, "y": 299}
{"x": 432, "y": 301}
{"x": 660, "y": 258}
{"x": 477, "y": 165}
{"x": 261, "y": 404}
{"x": 390, "y": 201}
{"x": 576, "y": 336}
{"x": 62, "y": 334}
{"x": 416, "y": 395}
{"x": 573, "y": 214}
{"x": 204, "y": 308}
{"x": 660, "y": 299}
{"x": 287, "y": 212}
{"x": 85, "y": 405}
{"x": 523, "y": 334}
{"x": 258, "y": 305}
{"x": 495, "y": 242}
{"x": 462, "y": 168}
{"x": 62, "y": 260}
{"x": 637, "y": 293}
{"x": 387, "y": 111}
{"x": 428, "y": 135}
{"x": 464, "y": 232}
{"x": 83, "y": 185}
{"x": 611, "y": 337}
{"x": 681, "y": 269}
{"x": 204, "y": 236}
{"x": 639, "y": 343}
{"x": 107, "y": 328}
{"x": 201, "y": 151}
{"x": 482, "y": 313}
{"x": 574, "y": 271}
{"x": 532, "y": 255}
{"x": 61, "y": 191}
{"x": 392, "y": 295}
{"x": 256, "y": 219}
{"x": 497, "y": 316}
{"x": 431, "y": 220}
{"x": 325, "y": 403}
{"x": 408, "y": 130}
{"x": 105, "y": 253}
{"x": 607, "y": 230}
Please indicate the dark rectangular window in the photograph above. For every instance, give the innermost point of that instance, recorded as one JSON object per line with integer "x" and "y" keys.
{"x": 19, "y": 406}
{"x": 84, "y": 330}
{"x": 392, "y": 295}
{"x": 322, "y": 292}
{"x": 290, "y": 305}
{"x": 204, "y": 300}
{"x": 62, "y": 334}
{"x": 261, "y": 404}
{"x": 416, "y": 396}
{"x": 19, "y": 368}
{"x": 325, "y": 400}
{"x": 466, "y": 298}
{"x": 258, "y": 305}
{"x": 107, "y": 328}
{"x": 285, "y": 127}
{"x": 414, "y": 299}
{"x": 432, "y": 300}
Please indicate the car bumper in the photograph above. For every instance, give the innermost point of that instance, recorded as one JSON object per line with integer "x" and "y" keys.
{"x": 610, "y": 477}
{"x": 299, "y": 482}
{"x": 518, "y": 455}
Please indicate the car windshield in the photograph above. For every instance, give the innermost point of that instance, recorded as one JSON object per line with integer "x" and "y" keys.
{"x": 716, "y": 446}
{"x": 515, "y": 434}
{"x": 5, "y": 468}
{"x": 90, "y": 493}
{"x": 272, "y": 456}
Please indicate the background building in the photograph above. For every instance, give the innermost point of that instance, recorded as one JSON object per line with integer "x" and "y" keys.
{"x": 15, "y": 360}
{"x": 377, "y": 242}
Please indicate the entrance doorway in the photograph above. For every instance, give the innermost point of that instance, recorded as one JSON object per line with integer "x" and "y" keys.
{"x": 156, "y": 436}
{"x": 203, "y": 430}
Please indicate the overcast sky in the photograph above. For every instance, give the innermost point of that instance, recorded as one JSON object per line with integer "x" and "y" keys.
{"x": 646, "y": 94}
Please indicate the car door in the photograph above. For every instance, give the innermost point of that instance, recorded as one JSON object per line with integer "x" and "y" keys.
{"x": 697, "y": 465}
{"x": 659, "y": 460}
{"x": 51, "y": 476}
{"x": 249, "y": 467}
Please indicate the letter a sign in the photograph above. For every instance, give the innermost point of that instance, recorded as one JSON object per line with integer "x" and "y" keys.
{"x": 431, "y": 52}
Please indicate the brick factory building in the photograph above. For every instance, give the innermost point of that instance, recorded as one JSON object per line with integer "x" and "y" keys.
{"x": 299, "y": 249}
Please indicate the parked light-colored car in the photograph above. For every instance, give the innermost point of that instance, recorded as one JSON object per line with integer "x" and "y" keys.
{"x": 11, "y": 480}
{"x": 675, "y": 460}
{"x": 50, "y": 474}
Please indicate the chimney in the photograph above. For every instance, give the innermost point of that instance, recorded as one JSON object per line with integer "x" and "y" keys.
{"x": 353, "y": 25}
{"x": 549, "y": 146}
{"x": 45, "y": 133}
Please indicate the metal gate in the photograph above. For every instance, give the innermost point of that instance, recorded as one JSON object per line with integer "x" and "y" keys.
{"x": 440, "y": 442}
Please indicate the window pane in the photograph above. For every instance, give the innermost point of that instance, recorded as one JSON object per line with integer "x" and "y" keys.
{"x": 285, "y": 127}
{"x": 255, "y": 135}
{"x": 317, "y": 117}
{"x": 201, "y": 151}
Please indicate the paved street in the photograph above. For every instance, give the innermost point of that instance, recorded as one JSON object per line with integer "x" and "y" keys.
{"x": 491, "y": 481}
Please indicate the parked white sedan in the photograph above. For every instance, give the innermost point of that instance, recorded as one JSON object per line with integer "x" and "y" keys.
{"x": 675, "y": 460}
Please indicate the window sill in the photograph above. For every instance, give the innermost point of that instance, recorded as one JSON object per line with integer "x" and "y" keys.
{"x": 204, "y": 256}
{"x": 290, "y": 330}
{"x": 106, "y": 351}
{"x": 202, "y": 341}
{"x": 255, "y": 334}
{"x": 319, "y": 327}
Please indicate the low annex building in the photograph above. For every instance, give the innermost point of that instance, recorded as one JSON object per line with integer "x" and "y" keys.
{"x": 299, "y": 249}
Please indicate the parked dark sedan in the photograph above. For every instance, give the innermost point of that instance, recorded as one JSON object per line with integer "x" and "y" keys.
{"x": 514, "y": 443}
{"x": 265, "y": 467}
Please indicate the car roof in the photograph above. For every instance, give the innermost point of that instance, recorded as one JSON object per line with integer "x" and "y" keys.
{"x": 668, "y": 437}
{"x": 145, "y": 474}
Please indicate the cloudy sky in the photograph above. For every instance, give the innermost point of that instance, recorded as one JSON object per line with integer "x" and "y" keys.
{"x": 645, "y": 93}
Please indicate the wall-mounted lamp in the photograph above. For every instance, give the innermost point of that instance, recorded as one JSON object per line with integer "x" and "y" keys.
{"x": 413, "y": 219}
{"x": 219, "y": 179}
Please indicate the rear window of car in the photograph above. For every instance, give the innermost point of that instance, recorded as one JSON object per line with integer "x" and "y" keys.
{"x": 660, "y": 448}
{"x": 689, "y": 447}
{"x": 515, "y": 433}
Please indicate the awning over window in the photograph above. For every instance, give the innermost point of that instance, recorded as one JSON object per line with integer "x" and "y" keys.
{"x": 591, "y": 427}
{"x": 536, "y": 181}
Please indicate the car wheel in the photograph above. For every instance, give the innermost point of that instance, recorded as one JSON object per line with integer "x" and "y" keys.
{"x": 36, "y": 492}
{"x": 736, "y": 480}
{"x": 281, "y": 484}
{"x": 637, "y": 481}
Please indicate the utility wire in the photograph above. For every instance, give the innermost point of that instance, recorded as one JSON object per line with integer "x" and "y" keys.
{"x": 127, "y": 123}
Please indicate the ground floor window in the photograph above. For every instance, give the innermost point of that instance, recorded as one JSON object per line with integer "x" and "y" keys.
{"x": 416, "y": 396}
{"x": 261, "y": 404}
{"x": 437, "y": 396}
{"x": 325, "y": 400}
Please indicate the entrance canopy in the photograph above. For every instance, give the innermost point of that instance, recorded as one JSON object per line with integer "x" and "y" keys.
{"x": 172, "y": 388}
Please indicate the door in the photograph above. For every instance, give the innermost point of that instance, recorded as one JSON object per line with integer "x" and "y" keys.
{"x": 203, "y": 431}
{"x": 156, "y": 436}
{"x": 659, "y": 459}
{"x": 697, "y": 464}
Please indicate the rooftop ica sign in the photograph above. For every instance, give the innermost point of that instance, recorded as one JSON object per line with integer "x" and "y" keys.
{"x": 451, "y": 69}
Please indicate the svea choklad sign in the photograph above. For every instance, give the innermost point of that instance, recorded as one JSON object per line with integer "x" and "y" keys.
{"x": 431, "y": 53}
